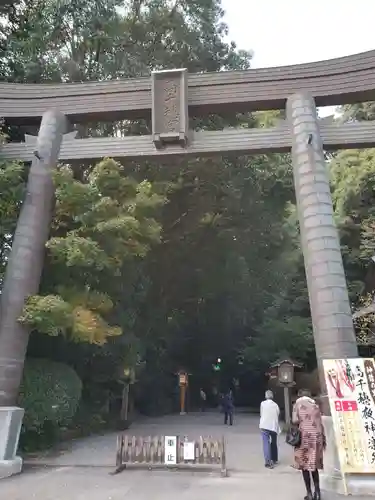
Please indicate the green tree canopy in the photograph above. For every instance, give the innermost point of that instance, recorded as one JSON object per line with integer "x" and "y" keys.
{"x": 200, "y": 257}
{"x": 98, "y": 226}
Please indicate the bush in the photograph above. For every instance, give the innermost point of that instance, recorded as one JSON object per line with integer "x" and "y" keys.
{"x": 50, "y": 394}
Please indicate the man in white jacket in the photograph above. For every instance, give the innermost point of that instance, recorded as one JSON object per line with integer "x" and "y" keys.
{"x": 270, "y": 428}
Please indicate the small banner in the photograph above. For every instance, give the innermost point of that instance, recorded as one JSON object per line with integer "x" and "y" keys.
{"x": 170, "y": 450}
{"x": 189, "y": 450}
{"x": 351, "y": 391}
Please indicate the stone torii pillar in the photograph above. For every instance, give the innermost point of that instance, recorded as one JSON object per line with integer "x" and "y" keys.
{"x": 331, "y": 315}
{"x": 22, "y": 279}
{"x": 328, "y": 294}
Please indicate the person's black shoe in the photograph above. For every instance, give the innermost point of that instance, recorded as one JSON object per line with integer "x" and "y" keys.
{"x": 308, "y": 497}
{"x": 317, "y": 495}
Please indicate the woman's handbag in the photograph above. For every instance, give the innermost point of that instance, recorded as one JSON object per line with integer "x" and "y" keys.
{"x": 293, "y": 436}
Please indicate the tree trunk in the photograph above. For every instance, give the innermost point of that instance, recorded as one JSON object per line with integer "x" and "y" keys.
{"x": 24, "y": 268}
{"x": 124, "y": 415}
{"x": 328, "y": 294}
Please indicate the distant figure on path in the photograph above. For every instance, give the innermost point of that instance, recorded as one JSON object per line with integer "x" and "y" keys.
{"x": 270, "y": 428}
{"x": 228, "y": 408}
{"x": 203, "y": 398}
{"x": 308, "y": 456}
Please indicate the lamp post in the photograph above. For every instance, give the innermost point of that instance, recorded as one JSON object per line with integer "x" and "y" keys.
{"x": 286, "y": 378}
{"x": 127, "y": 379}
{"x": 285, "y": 375}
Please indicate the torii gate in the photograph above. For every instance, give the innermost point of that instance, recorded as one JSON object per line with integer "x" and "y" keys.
{"x": 169, "y": 97}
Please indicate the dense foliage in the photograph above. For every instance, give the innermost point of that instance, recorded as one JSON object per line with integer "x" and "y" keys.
{"x": 100, "y": 225}
{"x": 154, "y": 267}
{"x": 12, "y": 190}
{"x": 50, "y": 394}
{"x": 353, "y": 176}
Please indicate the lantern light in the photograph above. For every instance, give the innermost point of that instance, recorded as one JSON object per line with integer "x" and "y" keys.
{"x": 286, "y": 372}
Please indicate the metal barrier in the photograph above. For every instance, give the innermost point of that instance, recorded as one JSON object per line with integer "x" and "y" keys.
{"x": 172, "y": 452}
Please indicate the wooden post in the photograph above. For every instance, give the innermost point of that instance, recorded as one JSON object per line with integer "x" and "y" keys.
{"x": 182, "y": 399}
{"x": 288, "y": 419}
{"x": 223, "y": 458}
{"x": 125, "y": 402}
{"x": 183, "y": 383}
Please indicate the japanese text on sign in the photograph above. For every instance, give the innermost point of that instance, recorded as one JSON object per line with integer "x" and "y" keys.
{"x": 170, "y": 450}
{"x": 351, "y": 392}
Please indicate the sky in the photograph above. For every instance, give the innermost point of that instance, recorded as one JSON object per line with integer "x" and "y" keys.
{"x": 281, "y": 32}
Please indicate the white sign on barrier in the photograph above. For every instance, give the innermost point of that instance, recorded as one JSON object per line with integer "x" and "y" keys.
{"x": 170, "y": 450}
{"x": 189, "y": 451}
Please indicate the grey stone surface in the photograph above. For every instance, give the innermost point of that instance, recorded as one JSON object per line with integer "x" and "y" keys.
{"x": 329, "y": 302}
{"x": 10, "y": 467}
{"x": 331, "y": 478}
{"x": 10, "y": 427}
{"x": 82, "y": 471}
{"x": 84, "y": 484}
{"x": 26, "y": 259}
{"x": 243, "y": 441}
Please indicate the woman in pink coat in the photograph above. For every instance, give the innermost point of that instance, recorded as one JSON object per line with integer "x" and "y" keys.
{"x": 308, "y": 457}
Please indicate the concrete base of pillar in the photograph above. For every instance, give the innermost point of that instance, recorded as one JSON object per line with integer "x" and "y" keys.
{"x": 331, "y": 479}
{"x": 10, "y": 428}
{"x": 10, "y": 467}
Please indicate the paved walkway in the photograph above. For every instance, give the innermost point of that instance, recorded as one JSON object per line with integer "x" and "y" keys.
{"x": 81, "y": 472}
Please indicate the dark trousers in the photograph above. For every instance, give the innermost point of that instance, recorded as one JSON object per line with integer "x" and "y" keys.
{"x": 228, "y": 415}
{"x": 270, "y": 450}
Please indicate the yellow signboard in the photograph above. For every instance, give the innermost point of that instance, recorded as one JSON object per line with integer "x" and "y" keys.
{"x": 351, "y": 391}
